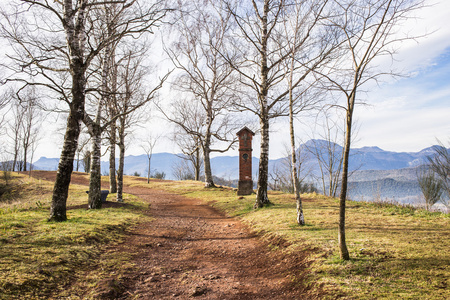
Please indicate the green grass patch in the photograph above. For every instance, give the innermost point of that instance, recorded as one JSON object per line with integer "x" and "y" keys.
{"x": 41, "y": 260}
{"x": 396, "y": 252}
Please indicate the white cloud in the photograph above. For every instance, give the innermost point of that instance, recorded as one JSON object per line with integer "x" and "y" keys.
{"x": 410, "y": 121}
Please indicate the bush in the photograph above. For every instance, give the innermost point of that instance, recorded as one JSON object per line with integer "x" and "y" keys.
{"x": 431, "y": 187}
{"x": 307, "y": 187}
{"x": 159, "y": 175}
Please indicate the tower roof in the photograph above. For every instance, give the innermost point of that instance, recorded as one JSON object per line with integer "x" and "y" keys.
{"x": 243, "y": 130}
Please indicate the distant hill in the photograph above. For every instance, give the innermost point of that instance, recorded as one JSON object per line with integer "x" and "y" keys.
{"x": 366, "y": 158}
{"x": 377, "y": 173}
{"x": 46, "y": 164}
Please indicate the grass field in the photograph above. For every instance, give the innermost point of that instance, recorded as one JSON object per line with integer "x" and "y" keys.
{"x": 40, "y": 258}
{"x": 396, "y": 252}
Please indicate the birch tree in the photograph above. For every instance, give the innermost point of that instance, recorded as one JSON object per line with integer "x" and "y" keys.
{"x": 14, "y": 133}
{"x": 369, "y": 30}
{"x": 205, "y": 77}
{"x": 148, "y": 145}
{"x": 131, "y": 94}
{"x": 5, "y": 98}
{"x": 264, "y": 49}
{"x": 30, "y": 125}
{"x": 119, "y": 22}
{"x": 53, "y": 45}
{"x": 191, "y": 155}
{"x": 309, "y": 46}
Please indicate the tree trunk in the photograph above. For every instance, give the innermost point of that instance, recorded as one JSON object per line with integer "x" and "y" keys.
{"x": 112, "y": 160}
{"x": 14, "y": 161}
{"x": 95, "y": 201}
{"x": 263, "y": 173}
{"x": 197, "y": 164}
{"x": 343, "y": 196}
{"x": 209, "y": 182}
{"x": 295, "y": 181}
{"x": 65, "y": 166}
{"x": 75, "y": 40}
{"x": 120, "y": 169}
{"x": 25, "y": 150}
{"x": 78, "y": 162}
{"x": 121, "y": 145}
{"x": 148, "y": 171}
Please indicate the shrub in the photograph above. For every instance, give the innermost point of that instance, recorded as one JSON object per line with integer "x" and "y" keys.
{"x": 431, "y": 187}
{"x": 159, "y": 175}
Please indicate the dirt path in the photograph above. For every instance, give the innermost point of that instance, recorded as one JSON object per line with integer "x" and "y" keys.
{"x": 191, "y": 250}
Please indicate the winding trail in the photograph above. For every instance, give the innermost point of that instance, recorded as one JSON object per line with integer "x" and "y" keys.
{"x": 189, "y": 249}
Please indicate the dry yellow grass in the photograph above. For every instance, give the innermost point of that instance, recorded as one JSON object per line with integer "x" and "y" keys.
{"x": 42, "y": 260}
{"x": 397, "y": 252}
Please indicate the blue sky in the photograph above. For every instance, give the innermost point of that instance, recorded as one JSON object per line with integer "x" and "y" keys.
{"x": 404, "y": 115}
{"x": 411, "y": 113}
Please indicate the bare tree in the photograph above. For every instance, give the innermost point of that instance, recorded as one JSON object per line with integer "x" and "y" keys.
{"x": 270, "y": 37}
{"x": 55, "y": 46}
{"x": 83, "y": 141}
{"x": 5, "y": 98}
{"x": 182, "y": 169}
{"x": 148, "y": 145}
{"x": 368, "y": 31}
{"x": 115, "y": 24}
{"x": 33, "y": 146}
{"x": 14, "y": 133}
{"x": 50, "y": 44}
{"x": 282, "y": 172}
{"x": 431, "y": 187}
{"x": 309, "y": 47}
{"x": 205, "y": 77}
{"x": 191, "y": 153}
{"x": 131, "y": 94}
{"x": 30, "y": 124}
{"x": 440, "y": 164}
{"x": 328, "y": 152}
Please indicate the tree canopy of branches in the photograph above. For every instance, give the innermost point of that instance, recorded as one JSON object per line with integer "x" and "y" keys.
{"x": 440, "y": 164}
{"x": 5, "y": 98}
{"x": 115, "y": 21}
{"x": 430, "y": 186}
{"x": 54, "y": 45}
{"x": 368, "y": 30}
{"x": 206, "y": 79}
{"x": 191, "y": 155}
{"x": 278, "y": 46}
{"x": 148, "y": 145}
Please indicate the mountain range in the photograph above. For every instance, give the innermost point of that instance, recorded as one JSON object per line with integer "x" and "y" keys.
{"x": 376, "y": 173}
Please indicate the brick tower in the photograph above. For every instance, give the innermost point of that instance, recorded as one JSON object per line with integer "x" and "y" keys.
{"x": 245, "y": 184}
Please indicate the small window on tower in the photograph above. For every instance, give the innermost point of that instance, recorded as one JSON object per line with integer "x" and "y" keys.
{"x": 245, "y": 156}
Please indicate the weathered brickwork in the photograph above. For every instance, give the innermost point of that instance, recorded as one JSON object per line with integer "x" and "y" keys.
{"x": 245, "y": 184}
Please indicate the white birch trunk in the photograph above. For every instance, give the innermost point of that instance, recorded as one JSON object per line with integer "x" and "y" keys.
{"x": 94, "y": 200}
{"x": 75, "y": 33}
{"x": 262, "y": 198}
{"x": 121, "y": 161}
